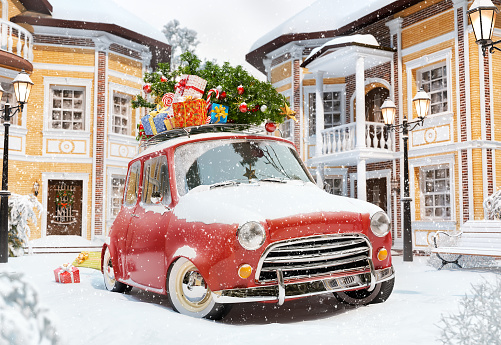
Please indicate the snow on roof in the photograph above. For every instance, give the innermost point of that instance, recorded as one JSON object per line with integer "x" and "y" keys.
{"x": 104, "y": 11}
{"x": 363, "y": 39}
{"x": 323, "y": 15}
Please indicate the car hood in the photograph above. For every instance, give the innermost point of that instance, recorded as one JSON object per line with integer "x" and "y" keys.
{"x": 263, "y": 201}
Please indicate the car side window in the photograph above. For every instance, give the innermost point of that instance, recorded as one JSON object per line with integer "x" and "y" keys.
{"x": 156, "y": 187}
{"x": 132, "y": 186}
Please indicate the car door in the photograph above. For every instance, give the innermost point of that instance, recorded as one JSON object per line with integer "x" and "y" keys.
{"x": 121, "y": 223}
{"x": 148, "y": 226}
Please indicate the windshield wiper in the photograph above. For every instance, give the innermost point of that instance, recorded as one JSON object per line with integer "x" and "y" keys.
{"x": 274, "y": 179}
{"x": 224, "y": 184}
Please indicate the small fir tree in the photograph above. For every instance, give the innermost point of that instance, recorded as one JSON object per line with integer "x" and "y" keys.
{"x": 478, "y": 320}
{"x": 22, "y": 319}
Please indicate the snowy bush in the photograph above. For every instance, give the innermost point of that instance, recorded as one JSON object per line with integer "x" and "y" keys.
{"x": 478, "y": 319}
{"x": 22, "y": 320}
{"x": 492, "y": 204}
{"x": 22, "y": 208}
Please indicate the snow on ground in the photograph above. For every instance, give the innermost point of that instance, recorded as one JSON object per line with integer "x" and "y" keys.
{"x": 86, "y": 313}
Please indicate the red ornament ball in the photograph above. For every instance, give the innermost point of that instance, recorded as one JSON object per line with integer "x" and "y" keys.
{"x": 222, "y": 95}
{"x": 240, "y": 89}
{"x": 243, "y": 107}
{"x": 147, "y": 88}
{"x": 270, "y": 127}
{"x": 163, "y": 79}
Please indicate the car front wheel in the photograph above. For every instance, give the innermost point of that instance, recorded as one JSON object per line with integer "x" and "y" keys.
{"x": 189, "y": 294}
{"x": 109, "y": 275}
{"x": 380, "y": 294}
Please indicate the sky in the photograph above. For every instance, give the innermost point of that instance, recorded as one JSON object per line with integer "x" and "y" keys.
{"x": 226, "y": 29}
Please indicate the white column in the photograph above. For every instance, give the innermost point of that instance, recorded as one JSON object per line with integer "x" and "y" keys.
{"x": 267, "y": 67}
{"x": 360, "y": 102}
{"x": 361, "y": 180}
{"x": 319, "y": 112}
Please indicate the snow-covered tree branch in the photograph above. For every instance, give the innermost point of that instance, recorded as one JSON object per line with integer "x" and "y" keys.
{"x": 22, "y": 209}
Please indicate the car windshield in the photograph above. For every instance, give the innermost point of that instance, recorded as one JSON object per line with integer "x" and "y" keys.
{"x": 237, "y": 161}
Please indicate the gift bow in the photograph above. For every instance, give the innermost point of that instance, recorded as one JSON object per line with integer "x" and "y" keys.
{"x": 66, "y": 268}
{"x": 220, "y": 111}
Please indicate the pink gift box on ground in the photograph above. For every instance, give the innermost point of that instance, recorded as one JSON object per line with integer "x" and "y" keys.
{"x": 67, "y": 274}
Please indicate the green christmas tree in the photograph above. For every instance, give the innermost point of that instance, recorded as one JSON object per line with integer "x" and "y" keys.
{"x": 263, "y": 102}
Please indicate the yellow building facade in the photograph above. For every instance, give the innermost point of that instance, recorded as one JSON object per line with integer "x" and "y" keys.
{"x": 365, "y": 55}
{"x": 77, "y": 133}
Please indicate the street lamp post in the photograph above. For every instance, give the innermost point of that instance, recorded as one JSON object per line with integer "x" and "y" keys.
{"x": 388, "y": 109}
{"x": 22, "y": 87}
{"x": 482, "y": 15}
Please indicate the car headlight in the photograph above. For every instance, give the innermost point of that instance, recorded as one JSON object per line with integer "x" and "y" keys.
{"x": 380, "y": 224}
{"x": 251, "y": 235}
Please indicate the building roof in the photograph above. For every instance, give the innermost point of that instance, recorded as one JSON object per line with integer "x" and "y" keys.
{"x": 104, "y": 11}
{"x": 323, "y": 19}
{"x": 98, "y": 15}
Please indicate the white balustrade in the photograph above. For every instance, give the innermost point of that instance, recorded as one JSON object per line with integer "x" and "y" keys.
{"x": 10, "y": 32}
{"x": 343, "y": 138}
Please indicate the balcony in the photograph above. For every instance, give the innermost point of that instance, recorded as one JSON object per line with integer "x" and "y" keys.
{"x": 16, "y": 46}
{"x": 339, "y": 145}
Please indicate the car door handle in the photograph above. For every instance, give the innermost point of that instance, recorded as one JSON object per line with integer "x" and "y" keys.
{"x": 135, "y": 215}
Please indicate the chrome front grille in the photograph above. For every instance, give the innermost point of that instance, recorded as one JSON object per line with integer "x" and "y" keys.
{"x": 314, "y": 256}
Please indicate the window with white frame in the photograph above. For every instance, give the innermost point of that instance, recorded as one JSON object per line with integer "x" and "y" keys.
{"x": 436, "y": 190}
{"x": 8, "y": 97}
{"x": 334, "y": 185}
{"x": 67, "y": 108}
{"x": 433, "y": 80}
{"x": 121, "y": 114}
{"x": 332, "y": 110}
{"x": 117, "y": 191}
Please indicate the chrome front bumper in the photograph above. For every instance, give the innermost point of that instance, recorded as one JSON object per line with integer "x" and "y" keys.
{"x": 282, "y": 291}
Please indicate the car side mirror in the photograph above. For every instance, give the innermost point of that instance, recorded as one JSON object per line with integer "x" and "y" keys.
{"x": 156, "y": 197}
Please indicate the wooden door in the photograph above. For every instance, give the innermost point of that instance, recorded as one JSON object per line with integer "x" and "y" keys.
{"x": 376, "y": 192}
{"x": 64, "y": 207}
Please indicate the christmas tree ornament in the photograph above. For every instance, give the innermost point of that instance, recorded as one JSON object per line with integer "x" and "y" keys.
{"x": 163, "y": 79}
{"x": 243, "y": 107}
{"x": 291, "y": 115}
{"x": 219, "y": 88}
{"x": 147, "y": 88}
{"x": 240, "y": 89}
{"x": 222, "y": 95}
{"x": 270, "y": 127}
{"x": 264, "y": 108}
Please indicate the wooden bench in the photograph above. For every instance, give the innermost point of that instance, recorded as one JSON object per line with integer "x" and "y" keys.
{"x": 479, "y": 237}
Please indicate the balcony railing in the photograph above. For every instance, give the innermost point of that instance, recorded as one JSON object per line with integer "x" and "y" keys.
{"x": 343, "y": 138}
{"x": 16, "y": 40}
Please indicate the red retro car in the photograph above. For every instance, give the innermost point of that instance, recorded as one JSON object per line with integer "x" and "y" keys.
{"x": 213, "y": 215}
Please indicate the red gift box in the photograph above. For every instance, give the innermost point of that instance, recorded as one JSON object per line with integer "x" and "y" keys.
{"x": 189, "y": 113}
{"x": 67, "y": 274}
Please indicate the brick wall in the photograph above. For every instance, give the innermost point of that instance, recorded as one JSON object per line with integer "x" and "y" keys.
{"x": 99, "y": 151}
